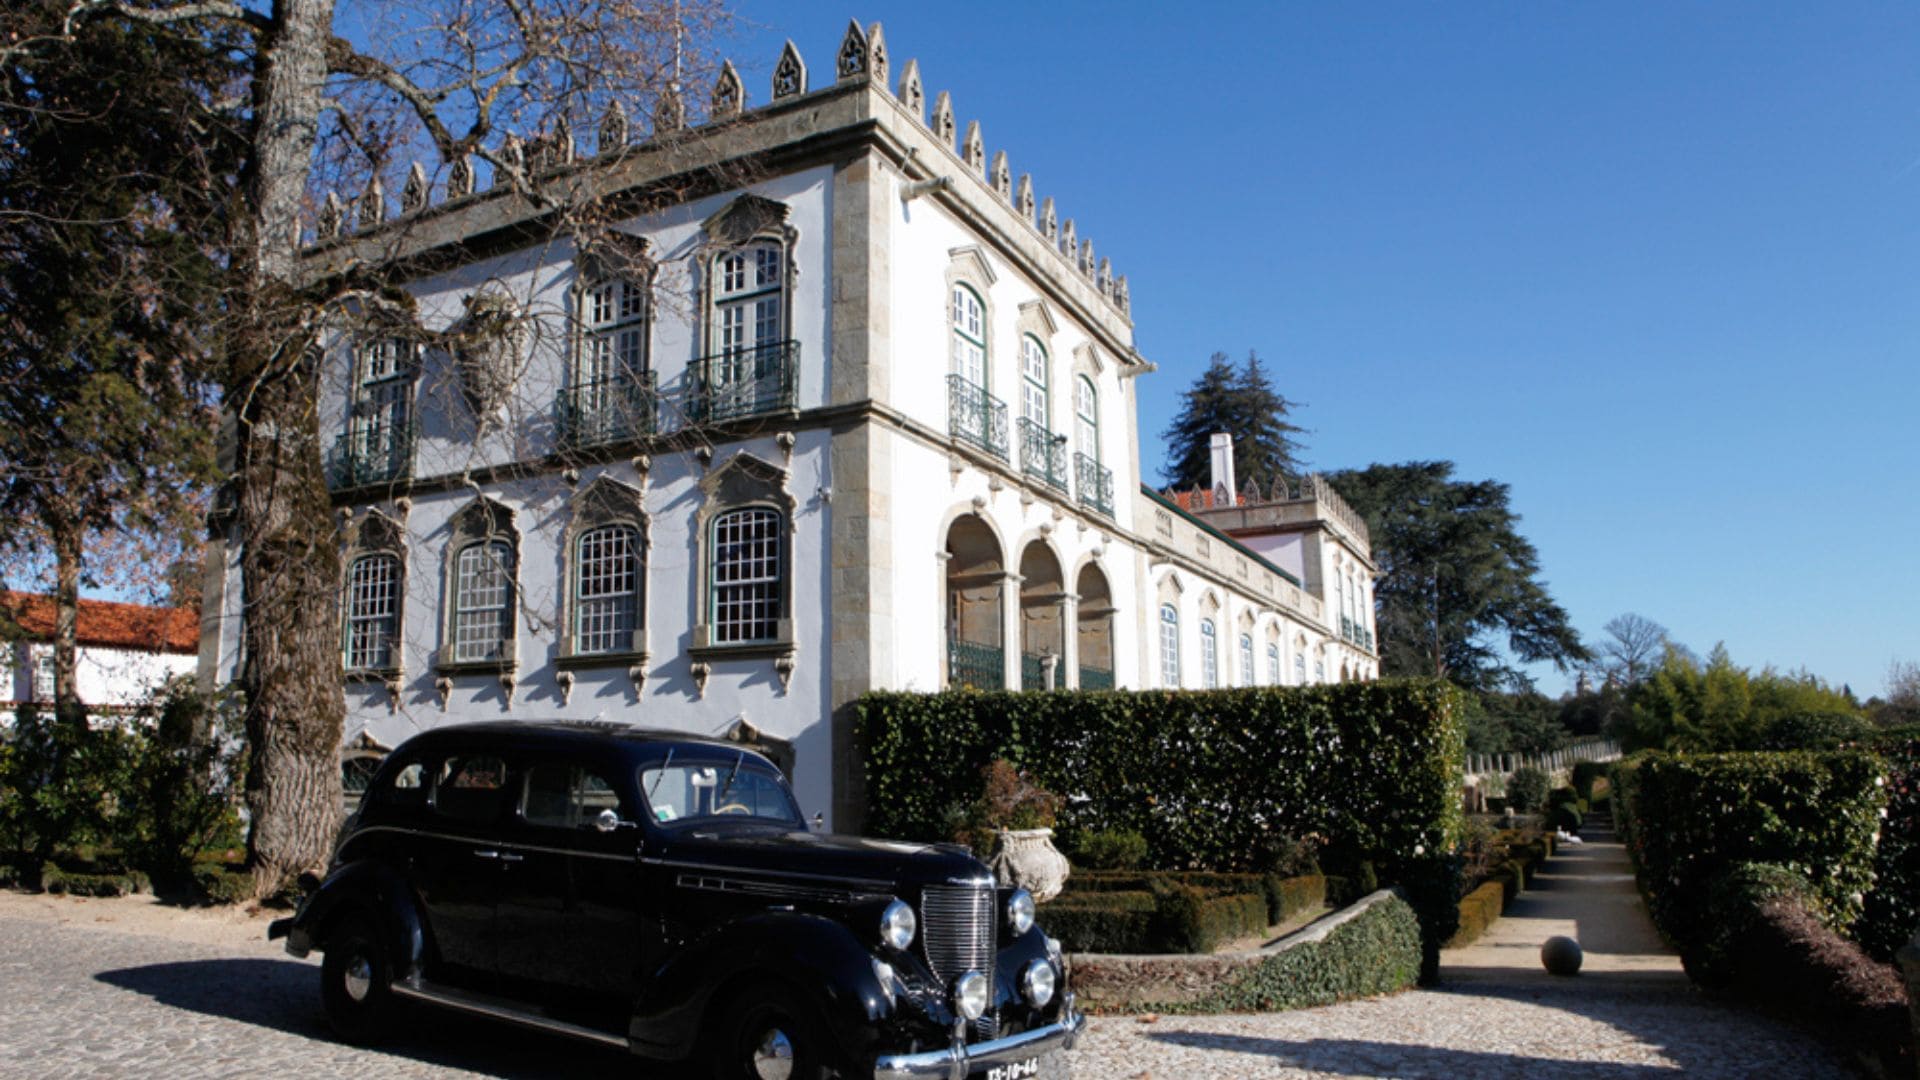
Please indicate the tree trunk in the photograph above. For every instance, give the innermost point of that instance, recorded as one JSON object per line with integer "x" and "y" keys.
{"x": 67, "y": 706}
{"x": 289, "y": 564}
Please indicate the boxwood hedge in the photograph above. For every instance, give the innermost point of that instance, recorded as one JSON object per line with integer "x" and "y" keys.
{"x": 1209, "y": 778}
{"x": 1377, "y": 952}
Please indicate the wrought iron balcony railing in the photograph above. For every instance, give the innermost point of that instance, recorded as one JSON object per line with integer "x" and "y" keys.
{"x": 1093, "y": 678}
{"x": 1043, "y": 455}
{"x": 970, "y": 663}
{"x": 1095, "y": 484}
{"x": 975, "y": 416}
{"x": 608, "y": 411}
{"x": 371, "y": 454}
{"x": 1033, "y": 671}
{"x": 754, "y": 381}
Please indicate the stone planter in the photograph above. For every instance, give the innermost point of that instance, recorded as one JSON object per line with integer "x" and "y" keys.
{"x": 1026, "y": 858}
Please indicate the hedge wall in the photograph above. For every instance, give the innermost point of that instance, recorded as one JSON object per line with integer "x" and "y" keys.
{"x": 1689, "y": 820}
{"x": 1157, "y": 912}
{"x": 1377, "y": 952}
{"x": 1211, "y": 779}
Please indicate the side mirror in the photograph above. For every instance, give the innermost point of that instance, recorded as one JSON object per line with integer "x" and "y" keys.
{"x": 819, "y": 822}
{"x": 606, "y": 821}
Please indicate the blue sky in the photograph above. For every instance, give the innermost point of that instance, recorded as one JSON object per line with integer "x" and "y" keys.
{"x": 1654, "y": 266}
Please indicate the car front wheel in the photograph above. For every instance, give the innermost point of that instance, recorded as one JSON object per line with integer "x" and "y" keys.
{"x": 770, "y": 1035}
{"x": 355, "y": 977}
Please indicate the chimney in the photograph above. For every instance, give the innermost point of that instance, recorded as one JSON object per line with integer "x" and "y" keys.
{"x": 1221, "y": 444}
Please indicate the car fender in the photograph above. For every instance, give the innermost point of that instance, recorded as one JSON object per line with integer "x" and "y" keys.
{"x": 376, "y": 891}
{"x": 815, "y": 955}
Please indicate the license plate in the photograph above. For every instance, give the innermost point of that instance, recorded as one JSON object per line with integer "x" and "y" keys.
{"x": 1012, "y": 1070}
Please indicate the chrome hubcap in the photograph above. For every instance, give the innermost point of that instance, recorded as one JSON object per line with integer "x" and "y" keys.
{"x": 773, "y": 1058}
{"x": 359, "y": 978}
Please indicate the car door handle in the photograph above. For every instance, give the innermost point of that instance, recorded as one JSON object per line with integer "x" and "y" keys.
{"x": 508, "y": 856}
{"x": 486, "y": 854}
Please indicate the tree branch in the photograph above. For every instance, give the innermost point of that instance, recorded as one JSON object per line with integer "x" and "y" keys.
{"x": 200, "y": 9}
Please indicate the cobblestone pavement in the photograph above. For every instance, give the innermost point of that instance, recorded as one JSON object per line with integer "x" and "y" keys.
{"x": 80, "y": 1000}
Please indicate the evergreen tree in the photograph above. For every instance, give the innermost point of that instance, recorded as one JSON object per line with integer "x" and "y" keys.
{"x": 1243, "y": 403}
{"x": 1457, "y": 580}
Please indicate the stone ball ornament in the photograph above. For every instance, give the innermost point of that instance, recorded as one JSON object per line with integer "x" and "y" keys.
{"x": 1562, "y": 955}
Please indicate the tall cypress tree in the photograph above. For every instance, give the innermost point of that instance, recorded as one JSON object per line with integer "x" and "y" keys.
{"x": 1243, "y": 403}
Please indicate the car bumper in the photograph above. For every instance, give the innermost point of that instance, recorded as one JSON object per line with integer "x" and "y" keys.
{"x": 298, "y": 941}
{"x": 958, "y": 1061}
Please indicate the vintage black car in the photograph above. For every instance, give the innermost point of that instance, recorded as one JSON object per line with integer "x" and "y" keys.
{"x": 664, "y": 894}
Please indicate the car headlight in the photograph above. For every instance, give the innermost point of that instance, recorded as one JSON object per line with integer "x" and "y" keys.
{"x": 1020, "y": 911}
{"x": 1038, "y": 983}
{"x": 971, "y": 995}
{"x": 897, "y": 925}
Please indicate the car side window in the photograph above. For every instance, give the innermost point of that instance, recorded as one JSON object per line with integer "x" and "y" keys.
{"x": 566, "y": 796}
{"x": 471, "y": 787}
{"x": 407, "y": 788}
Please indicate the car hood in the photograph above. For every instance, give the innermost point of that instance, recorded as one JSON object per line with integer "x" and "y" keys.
{"x": 851, "y": 859}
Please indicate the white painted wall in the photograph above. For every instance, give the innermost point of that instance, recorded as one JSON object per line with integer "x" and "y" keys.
{"x": 107, "y": 677}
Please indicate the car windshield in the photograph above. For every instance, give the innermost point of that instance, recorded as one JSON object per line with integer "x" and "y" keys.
{"x": 736, "y": 786}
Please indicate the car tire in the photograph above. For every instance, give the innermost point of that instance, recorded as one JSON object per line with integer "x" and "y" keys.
{"x": 356, "y": 977}
{"x": 770, "y": 1034}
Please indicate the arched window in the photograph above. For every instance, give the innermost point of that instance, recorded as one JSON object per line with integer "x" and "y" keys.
{"x": 1209, "y": 657}
{"x": 1299, "y": 669}
{"x": 746, "y": 588}
{"x": 483, "y": 602}
{"x": 1319, "y": 671}
{"x": 1169, "y": 647}
{"x": 969, "y": 345}
{"x": 1246, "y": 659}
{"x": 372, "y": 622}
{"x": 1086, "y": 418}
{"x": 1033, "y": 381}
{"x": 606, "y": 589}
{"x": 1273, "y": 665}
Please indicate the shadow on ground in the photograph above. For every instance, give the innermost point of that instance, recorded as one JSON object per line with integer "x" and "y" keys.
{"x": 284, "y": 996}
{"x": 1353, "y": 1057}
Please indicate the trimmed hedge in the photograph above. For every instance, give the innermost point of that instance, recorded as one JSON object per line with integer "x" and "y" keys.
{"x": 1688, "y": 821}
{"x": 1479, "y": 910}
{"x": 1117, "y": 912}
{"x": 1585, "y": 775}
{"x": 1376, "y": 952}
{"x": 1207, "y": 777}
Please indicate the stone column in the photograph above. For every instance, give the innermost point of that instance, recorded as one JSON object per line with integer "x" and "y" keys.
{"x": 943, "y": 639}
{"x": 1067, "y": 675}
{"x": 1010, "y": 628}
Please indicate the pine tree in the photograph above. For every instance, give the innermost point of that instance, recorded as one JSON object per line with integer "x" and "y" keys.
{"x": 1243, "y": 403}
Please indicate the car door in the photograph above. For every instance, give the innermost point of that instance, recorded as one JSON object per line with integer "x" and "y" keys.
{"x": 459, "y": 868}
{"x": 537, "y": 888}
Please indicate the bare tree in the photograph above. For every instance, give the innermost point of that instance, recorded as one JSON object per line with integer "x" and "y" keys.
{"x": 1632, "y": 648}
{"x": 501, "y": 83}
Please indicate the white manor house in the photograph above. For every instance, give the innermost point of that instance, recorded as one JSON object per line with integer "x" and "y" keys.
{"x": 832, "y": 405}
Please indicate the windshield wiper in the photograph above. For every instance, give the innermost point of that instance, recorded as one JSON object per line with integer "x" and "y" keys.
{"x": 661, "y": 775}
{"x": 728, "y": 786}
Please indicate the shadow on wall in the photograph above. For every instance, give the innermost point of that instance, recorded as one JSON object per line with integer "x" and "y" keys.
{"x": 284, "y": 996}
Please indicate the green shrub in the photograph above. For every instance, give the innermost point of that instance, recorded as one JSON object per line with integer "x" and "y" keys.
{"x": 1376, "y": 952}
{"x": 1690, "y": 820}
{"x": 1565, "y": 816}
{"x": 185, "y": 782}
{"x": 1114, "y": 849}
{"x": 1562, "y": 796}
{"x": 1527, "y": 789}
{"x": 62, "y": 788}
{"x": 222, "y": 883}
{"x": 85, "y": 878}
{"x": 1815, "y": 731}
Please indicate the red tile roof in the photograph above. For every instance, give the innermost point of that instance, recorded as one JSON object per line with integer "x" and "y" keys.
{"x": 106, "y": 624}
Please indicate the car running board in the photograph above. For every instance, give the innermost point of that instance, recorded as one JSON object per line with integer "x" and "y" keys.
{"x": 502, "y": 1009}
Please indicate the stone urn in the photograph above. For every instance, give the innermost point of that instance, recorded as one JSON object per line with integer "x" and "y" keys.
{"x": 1027, "y": 859}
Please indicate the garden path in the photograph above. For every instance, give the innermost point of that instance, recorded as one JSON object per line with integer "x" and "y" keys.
{"x": 1630, "y": 1014}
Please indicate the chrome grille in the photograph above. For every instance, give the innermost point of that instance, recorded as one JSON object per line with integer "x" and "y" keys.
{"x": 957, "y": 934}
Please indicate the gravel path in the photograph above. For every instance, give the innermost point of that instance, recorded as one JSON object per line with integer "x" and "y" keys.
{"x": 125, "y": 988}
